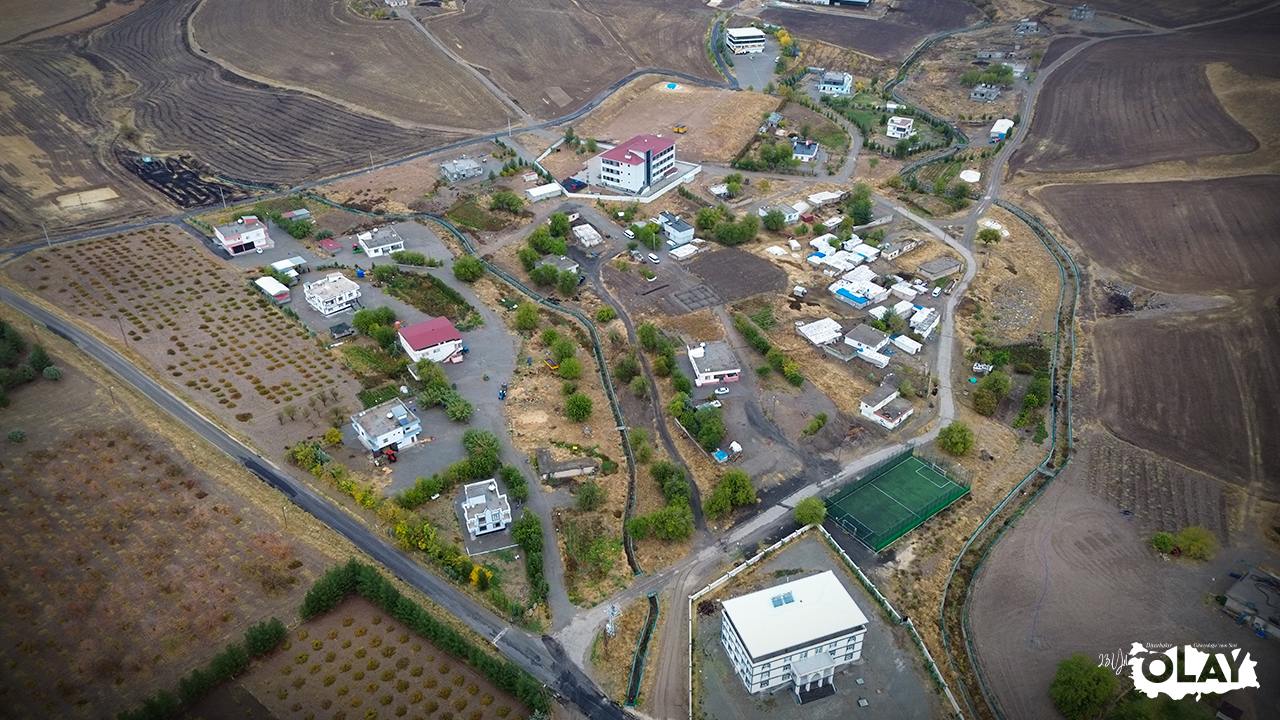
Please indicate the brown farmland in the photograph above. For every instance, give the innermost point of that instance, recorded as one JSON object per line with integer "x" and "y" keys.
{"x": 553, "y": 56}
{"x": 1199, "y": 389}
{"x": 1177, "y": 237}
{"x": 889, "y": 38}
{"x": 245, "y": 129}
{"x": 129, "y": 556}
{"x": 1169, "y": 13}
{"x": 386, "y": 67}
{"x": 24, "y": 17}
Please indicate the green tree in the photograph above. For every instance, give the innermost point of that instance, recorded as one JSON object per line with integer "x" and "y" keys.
{"x": 647, "y": 332}
{"x": 578, "y": 407}
{"x": 526, "y": 531}
{"x": 988, "y": 236}
{"x": 545, "y": 275}
{"x": 1163, "y": 542}
{"x": 673, "y": 522}
{"x": 567, "y": 283}
{"x": 528, "y": 258}
{"x": 369, "y": 317}
{"x": 985, "y": 401}
{"x": 527, "y": 317}
{"x": 590, "y": 496}
{"x": 894, "y": 323}
{"x": 734, "y": 188}
{"x": 39, "y": 359}
{"x": 1081, "y": 688}
{"x": 997, "y": 382}
{"x": 906, "y": 389}
{"x": 506, "y": 200}
{"x": 559, "y": 224}
{"x": 737, "y": 485}
{"x": 468, "y": 268}
{"x": 457, "y": 408}
{"x": 570, "y": 368}
{"x": 563, "y": 348}
{"x": 605, "y": 314}
{"x": 775, "y": 220}
{"x": 52, "y": 373}
{"x": 706, "y": 218}
{"x": 639, "y": 386}
{"x": 956, "y": 438}
{"x": 810, "y": 511}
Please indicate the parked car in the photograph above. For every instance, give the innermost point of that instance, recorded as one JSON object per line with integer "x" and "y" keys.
{"x": 937, "y": 291}
{"x": 653, "y": 258}
{"x": 722, "y": 391}
{"x": 630, "y": 235}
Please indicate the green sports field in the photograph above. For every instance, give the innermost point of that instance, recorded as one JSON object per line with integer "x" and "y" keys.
{"x": 892, "y": 500}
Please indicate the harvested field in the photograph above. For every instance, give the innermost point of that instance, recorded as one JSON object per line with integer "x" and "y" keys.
{"x": 736, "y": 274}
{"x": 720, "y": 121}
{"x": 1199, "y": 389}
{"x": 25, "y": 17}
{"x": 50, "y": 138}
{"x": 351, "y": 65}
{"x": 246, "y": 129}
{"x": 1170, "y": 13}
{"x": 889, "y": 38}
{"x": 1130, "y": 102}
{"x": 558, "y": 54}
{"x": 1200, "y": 236}
{"x": 1058, "y": 48}
{"x": 131, "y": 554}
{"x": 216, "y": 340}
{"x": 356, "y": 657}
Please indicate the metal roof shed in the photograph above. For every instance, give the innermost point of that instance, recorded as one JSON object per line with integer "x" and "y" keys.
{"x": 821, "y": 332}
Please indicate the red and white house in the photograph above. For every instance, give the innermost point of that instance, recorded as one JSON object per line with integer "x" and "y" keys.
{"x": 436, "y": 340}
{"x": 635, "y": 165}
{"x": 244, "y": 235}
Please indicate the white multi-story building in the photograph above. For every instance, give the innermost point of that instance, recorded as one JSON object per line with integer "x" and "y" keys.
{"x": 380, "y": 241}
{"x": 390, "y": 424}
{"x": 744, "y": 40}
{"x": 635, "y": 165}
{"x": 834, "y": 82}
{"x": 331, "y": 295}
{"x": 485, "y": 509}
{"x": 900, "y": 127}
{"x": 436, "y": 340}
{"x": 714, "y": 362}
{"x": 797, "y": 633}
{"x": 246, "y": 234}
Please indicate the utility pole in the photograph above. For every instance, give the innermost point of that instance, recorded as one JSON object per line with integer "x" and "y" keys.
{"x": 224, "y": 197}
{"x": 122, "y": 335}
{"x": 370, "y": 160}
{"x": 47, "y": 242}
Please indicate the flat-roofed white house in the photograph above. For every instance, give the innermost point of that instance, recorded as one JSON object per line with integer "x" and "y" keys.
{"x": 485, "y": 509}
{"x": 331, "y": 295}
{"x": 790, "y": 214}
{"x": 797, "y": 633}
{"x": 390, "y": 424}
{"x": 714, "y": 362}
{"x": 865, "y": 337}
{"x": 834, "y": 82}
{"x": 436, "y": 340}
{"x": 900, "y": 127}
{"x": 804, "y": 150}
{"x": 1000, "y": 130}
{"x": 744, "y": 40}
{"x": 635, "y": 165}
{"x": 884, "y": 408}
{"x": 678, "y": 231}
{"x": 380, "y": 241}
{"x": 244, "y": 235}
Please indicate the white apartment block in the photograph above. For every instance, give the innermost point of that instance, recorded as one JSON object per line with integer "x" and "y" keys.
{"x": 635, "y": 165}
{"x": 797, "y": 633}
{"x": 246, "y": 234}
{"x": 331, "y": 295}
{"x": 745, "y": 40}
{"x": 486, "y": 509}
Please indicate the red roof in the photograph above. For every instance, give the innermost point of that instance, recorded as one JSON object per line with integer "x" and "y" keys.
{"x": 430, "y": 333}
{"x": 632, "y": 151}
{"x": 330, "y": 244}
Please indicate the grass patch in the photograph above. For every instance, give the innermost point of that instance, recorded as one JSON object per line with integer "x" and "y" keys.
{"x": 764, "y": 318}
{"x": 432, "y": 296}
{"x": 468, "y": 212}
{"x": 377, "y": 396}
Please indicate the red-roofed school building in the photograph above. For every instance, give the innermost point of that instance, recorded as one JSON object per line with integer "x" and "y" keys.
{"x": 635, "y": 165}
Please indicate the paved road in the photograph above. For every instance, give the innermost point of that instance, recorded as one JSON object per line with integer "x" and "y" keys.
{"x": 542, "y": 657}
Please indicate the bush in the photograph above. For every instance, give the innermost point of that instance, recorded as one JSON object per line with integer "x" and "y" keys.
{"x": 817, "y": 424}
{"x": 590, "y": 496}
{"x": 457, "y": 408}
{"x": 17, "y": 436}
{"x": 528, "y": 258}
{"x": 811, "y": 511}
{"x": 578, "y": 407}
{"x": 1081, "y": 689}
{"x": 639, "y": 387}
{"x": 517, "y": 486}
{"x": 985, "y": 401}
{"x": 1163, "y": 542}
{"x": 468, "y": 268}
{"x": 1196, "y": 542}
{"x": 406, "y": 257}
{"x": 570, "y": 368}
{"x": 626, "y": 368}
{"x": 545, "y": 275}
{"x": 527, "y": 317}
{"x": 956, "y": 438}
{"x": 673, "y": 523}
{"x": 506, "y": 200}
{"x": 262, "y": 638}
{"x": 52, "y": 373}
{"x": 39, "y": 359}
{"x": 605, "y": 314}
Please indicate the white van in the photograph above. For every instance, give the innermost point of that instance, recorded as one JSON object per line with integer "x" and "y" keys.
{"x": 630, "y": 235}
{"x": 653, "y": 258}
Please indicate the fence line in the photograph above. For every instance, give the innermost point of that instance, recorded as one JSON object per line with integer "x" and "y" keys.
{"x": 642, "y": 656}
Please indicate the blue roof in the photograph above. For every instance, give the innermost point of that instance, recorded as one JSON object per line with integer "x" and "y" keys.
{"x": 844, "y": 292}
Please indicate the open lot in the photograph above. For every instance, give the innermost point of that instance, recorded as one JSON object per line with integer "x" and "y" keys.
{"x": 1198, "y": 388}
{"x": 720, "y": 121}
{"x": 200, "y": 326}
{"x": 555, "y": 55}
{"x": 245, "y": 129}
{"x": 889, "y": 38}
{"x": 1202, "y": 236}
{"x": 736, "y": 274}
{"x": 131, "y": 554}
{"x": 893, "y": 680}
{"x": 358, "y": 660}
{"x": 355, "y": 63}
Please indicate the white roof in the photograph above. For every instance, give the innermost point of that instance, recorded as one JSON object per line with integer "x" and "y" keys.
{"x": 910, "y": 346}
{"x": 832, "y": 222}
{"x": 271, "y": 286}
{"x": 745, "y": 33}
{"x": 904, "y": 308}
{"x": 826, "y": 196}
{"x": 1003, "y": 125}
{"x": 821, "y": 331}
{"x": 775, "y": 250}
{"x": 547, "y": 190}
{"x": 878, "y": 312}
{"x": 794, "y": 614}
{"x": 896, "y": 121}
{"x": 683, "y": 251}
{"x": 970, "y": 176}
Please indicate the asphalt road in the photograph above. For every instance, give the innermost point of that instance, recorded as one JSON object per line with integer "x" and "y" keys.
{"x": 540, "y": 656}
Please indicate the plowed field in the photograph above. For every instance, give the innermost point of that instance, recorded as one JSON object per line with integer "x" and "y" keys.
{"x": 1178, "y": 237}
{"x": 889, "y": 38}
{"x": 1169, "y": 13}
{"x": 553, "y": 56}
{"x": 321, "y": 46}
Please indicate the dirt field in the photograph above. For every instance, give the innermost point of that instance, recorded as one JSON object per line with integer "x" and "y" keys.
{"x": 1072, "y": 555}
{"x": 358, "y": 659}
{"x": 736, "y": 274}
{"x": 1169, "y": 13}
{"x": 1204, "y": 236}
{"x": 24, "y": 17}
{"x": 889, "y": 38}
{"x": 1058, "y": 48}
{"x": 133, "y": 555}
{"x": 246, "y": 130}
{"x": 351, "y": 65}
{"x": 202, "y": 327}
{"x": 557, "y": 54}
{"x": 720, "y": 122}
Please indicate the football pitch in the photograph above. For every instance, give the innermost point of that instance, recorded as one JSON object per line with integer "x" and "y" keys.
{"x": 893, "y": 500}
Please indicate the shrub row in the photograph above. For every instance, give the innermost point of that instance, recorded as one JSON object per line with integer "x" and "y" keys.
{"x": 777, "y": 359}
{"x": 527, "y": 532}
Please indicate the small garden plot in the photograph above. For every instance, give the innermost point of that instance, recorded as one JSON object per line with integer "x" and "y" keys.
{"x": 125, "y": 564}
{"x": 470, "y": 213}
{"x": 431, "y": 295}
{"x": 197, "y": 323}
{"x": 355, "y": 661}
